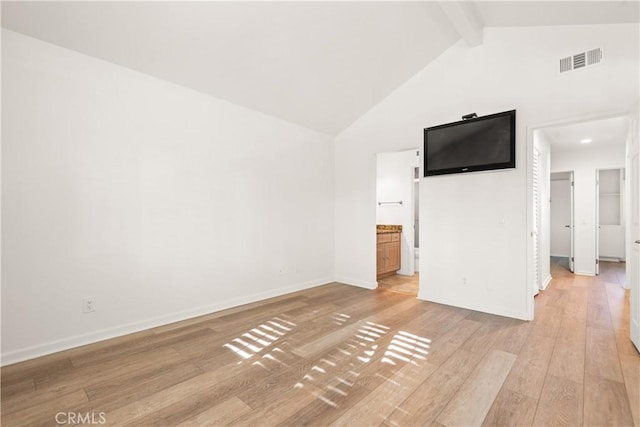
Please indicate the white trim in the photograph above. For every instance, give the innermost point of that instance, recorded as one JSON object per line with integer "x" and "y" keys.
{"x": 481, "y": 308}
{"x": 104, "y": 334}
{"x": 546, "y": 283}
{"x": 579, "y": 119}
{"x": 356, "y": 282}
{"x": 585, "y": 273}
{"x": 528, "y": 273}
{"x": 560, "y": 256}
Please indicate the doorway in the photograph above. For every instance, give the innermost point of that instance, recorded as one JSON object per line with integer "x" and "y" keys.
{"x": 585, "y": 153}
{"x": 610, "y": 242}
{"x": 397, "y": 180}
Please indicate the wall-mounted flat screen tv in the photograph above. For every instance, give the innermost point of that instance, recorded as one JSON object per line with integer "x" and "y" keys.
{"x": 478, "y": 144}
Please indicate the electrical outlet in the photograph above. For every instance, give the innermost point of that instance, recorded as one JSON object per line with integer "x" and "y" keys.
{"x": 464, "y": 281}
{"x": 88, "y": 305}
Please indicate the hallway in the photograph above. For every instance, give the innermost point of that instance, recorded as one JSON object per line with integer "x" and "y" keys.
{"x": 589, "y": 313}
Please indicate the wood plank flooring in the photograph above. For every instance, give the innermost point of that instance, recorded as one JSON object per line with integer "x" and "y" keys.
{"x": 340, "y": 355}
{"x": 399, "y": 283}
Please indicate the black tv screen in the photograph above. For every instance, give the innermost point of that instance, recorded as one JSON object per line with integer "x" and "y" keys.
{"x": 479, "y": 144}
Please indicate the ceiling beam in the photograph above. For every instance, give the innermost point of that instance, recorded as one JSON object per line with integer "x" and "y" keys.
{"x": 464, "y": 18}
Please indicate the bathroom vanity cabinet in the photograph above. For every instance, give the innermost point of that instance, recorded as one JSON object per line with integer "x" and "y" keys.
{"x": 388, "y": 253}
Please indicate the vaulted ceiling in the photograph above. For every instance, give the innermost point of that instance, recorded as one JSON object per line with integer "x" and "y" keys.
{"x": 318, "y": 64}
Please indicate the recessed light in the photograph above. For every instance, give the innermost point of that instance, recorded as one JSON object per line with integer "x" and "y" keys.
{"x": 585, "y": 141}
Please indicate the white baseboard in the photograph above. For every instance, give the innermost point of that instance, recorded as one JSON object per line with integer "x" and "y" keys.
{"x": 55, "y": 346}
{"x": 584, "y": 273}
{"x": 560, "y": 256}
{"x": 482, "y": 308}
{"x": 356, "y": 282}
{"x": 546, "y": 283}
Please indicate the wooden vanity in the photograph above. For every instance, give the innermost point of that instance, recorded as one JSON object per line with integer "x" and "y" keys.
{"x": 388, "y": 249}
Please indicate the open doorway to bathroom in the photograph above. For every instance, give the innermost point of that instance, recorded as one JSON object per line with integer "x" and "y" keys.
{"x": 397, "y": 221}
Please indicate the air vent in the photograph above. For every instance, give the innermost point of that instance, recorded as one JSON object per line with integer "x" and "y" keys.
{"x": 581, "y": 60}
{"x": 594, "y": 56}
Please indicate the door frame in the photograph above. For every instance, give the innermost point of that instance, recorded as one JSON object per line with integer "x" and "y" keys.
{"x": 535, "y": 233}
{"x": 410, "y": 176}
{"x": 530, "y": 308}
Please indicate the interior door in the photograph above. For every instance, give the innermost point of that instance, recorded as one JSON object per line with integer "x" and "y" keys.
{"x": 561, "y": 216}
{"x": 633, "y": 271}
{"x": 597, "y": 222}
{"x": 536, "y": 222}
{"x": 572, "y": 224}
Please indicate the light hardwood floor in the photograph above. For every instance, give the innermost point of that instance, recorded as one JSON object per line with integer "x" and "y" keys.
{"x": 339, "y": 355}
{"x": 399, "y": 283}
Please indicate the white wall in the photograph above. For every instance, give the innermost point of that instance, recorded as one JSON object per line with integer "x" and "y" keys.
{"x": 541, "y": 142}
{"x": 395, "y": 182}
{"x": 584, "y": 164}
{"x": 158, "y": 201}
{"x": 475, "y": 225}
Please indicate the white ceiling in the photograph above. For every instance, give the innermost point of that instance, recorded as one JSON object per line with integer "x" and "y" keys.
{"x": 604, "y": 133}
{"x": 318, "y": 64}
{"x": 533, "y": 13}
